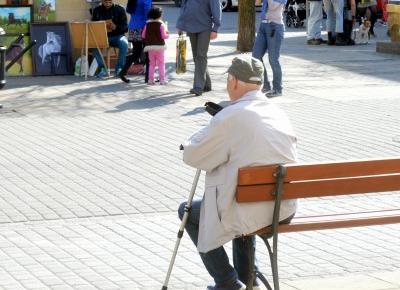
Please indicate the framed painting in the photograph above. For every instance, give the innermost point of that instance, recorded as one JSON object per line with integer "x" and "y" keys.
{"x": 44, "y": 10}
{"x": 52, "y": 54}
{"x": 15, "y": 19}
{"x": 14, "y": 44}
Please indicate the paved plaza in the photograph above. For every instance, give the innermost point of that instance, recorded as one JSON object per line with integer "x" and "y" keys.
{"x": 91, "y": 175}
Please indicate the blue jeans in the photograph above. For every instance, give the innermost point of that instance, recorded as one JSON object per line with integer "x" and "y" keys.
{"x": 334, "y": 13}
{"x": 314, "y": 20}
{"x": 269, "y": 39}
{"x": 119, "y": 41}
{"x": 216, "y": 261}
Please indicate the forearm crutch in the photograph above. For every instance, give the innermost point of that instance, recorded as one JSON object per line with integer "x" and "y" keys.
{"x": 188, "y": 208}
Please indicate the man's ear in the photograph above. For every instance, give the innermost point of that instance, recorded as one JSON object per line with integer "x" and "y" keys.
{"x": 236, "y": 82}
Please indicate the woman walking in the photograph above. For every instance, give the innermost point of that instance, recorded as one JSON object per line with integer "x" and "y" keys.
{"x": 138, "y": 9}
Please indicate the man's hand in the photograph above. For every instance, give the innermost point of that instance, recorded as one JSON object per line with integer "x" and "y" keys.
{"x": 113, "y": 26}
{"x": 213, "y": 35}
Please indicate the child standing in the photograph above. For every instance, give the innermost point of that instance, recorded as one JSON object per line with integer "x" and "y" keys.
{"x": 154, "y": 34}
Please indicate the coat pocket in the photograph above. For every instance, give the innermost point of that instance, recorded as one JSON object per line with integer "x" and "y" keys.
{"x": 211, "y": 202}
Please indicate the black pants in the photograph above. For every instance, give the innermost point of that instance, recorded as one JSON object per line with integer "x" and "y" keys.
{"x": 136, "y": 57}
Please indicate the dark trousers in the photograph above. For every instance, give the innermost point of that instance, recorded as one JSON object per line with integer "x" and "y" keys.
{"x": 200, "y": 43}
{"x": 135, "y": 57}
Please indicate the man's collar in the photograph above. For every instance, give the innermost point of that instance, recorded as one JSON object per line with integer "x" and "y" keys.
{"x": 251, "y": 95}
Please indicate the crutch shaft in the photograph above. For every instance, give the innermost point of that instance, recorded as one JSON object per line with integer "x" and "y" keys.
{"x": 182, "y": 228}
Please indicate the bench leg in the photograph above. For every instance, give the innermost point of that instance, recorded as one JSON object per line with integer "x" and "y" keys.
{"x": 252, "y": 272}
{"x": 273, "y": 257}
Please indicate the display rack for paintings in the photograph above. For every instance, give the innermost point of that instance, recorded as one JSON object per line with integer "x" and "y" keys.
{"x": 89, "y": 34}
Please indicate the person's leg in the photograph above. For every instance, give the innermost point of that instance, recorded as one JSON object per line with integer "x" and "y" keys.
{"x": 373, "y": 18}
{"x": 200, "y": 43}
{"x": 259, "y": 50}
{"x": 137, "y": 49}
{"x": 330, "y": 16}
{"x": 241, "y": 260}
{"x": 122, "y": 43}
{"x": 215, "y": 261}
{"x": 161, "y": 65}
{"x": 152, "y": 64}
{"x": 338, "y": 6}
{"x": 97, "y": 55}
{"x": 274, "y": 40}
{"x": 147, "y": 66}
{"x": 314, "y": 20}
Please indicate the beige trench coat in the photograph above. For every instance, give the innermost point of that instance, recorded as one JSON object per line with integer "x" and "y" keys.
{"x": 249, "y": 132}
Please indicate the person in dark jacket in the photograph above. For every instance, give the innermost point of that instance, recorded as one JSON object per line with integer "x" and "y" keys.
{"x": 138, "y": 9}
{"x": 117, "y": 26}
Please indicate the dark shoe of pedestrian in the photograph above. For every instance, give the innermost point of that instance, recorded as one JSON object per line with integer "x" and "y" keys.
{"x": 313, "y": 41}
{"x": 340, "y": 40}
{"x": 236, "y": 285}
{"x": 122, "y": 76}
{"x": 273, "y": 94}
{"x": 331, "y": 38}
{"x": 206, "y": 89}
{"x": 196, "y": 92}
{"x": 265, "y": 90}
{"x": 351, "y": 42}
{"x": 322, "y": 41}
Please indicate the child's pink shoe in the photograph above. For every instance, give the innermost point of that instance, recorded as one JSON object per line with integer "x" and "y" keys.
{"x": 163, "y": 83}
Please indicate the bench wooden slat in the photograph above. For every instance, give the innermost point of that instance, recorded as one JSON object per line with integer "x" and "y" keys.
{"x": 320, "y": 188}
{"x": 313, "y": 223}
{"x": 296, "y": 172}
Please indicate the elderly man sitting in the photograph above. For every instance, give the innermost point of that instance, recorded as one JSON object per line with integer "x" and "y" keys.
{"x": 250, "y": 131}
{"x": 117, "y": 26}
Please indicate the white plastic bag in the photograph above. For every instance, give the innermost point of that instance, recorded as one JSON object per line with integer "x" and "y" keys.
{"x": 81, "y": 66}
{"x": 93, "y": 67}
{"x": 77, "y": 70}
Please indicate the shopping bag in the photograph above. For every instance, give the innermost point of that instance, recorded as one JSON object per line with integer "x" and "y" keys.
{"x": 181, "y": 54}
{"x": 137, "y": 69}
{"x": 93, "y": 68}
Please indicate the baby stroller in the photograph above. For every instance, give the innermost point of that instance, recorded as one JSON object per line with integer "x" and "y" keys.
{"x": 295, "y": 13}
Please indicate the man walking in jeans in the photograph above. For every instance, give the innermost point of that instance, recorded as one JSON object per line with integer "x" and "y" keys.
{"x": 201, "y": 21}
{"x": 269, "y": 39}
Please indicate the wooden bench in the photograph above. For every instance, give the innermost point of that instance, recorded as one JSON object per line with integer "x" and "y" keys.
{"x": 297, "y": 181}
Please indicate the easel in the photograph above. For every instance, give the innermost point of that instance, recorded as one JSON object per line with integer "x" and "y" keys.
{"x": 89, "y": 34}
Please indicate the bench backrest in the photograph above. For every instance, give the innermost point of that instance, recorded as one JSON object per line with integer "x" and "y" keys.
{"x": 320, "y": 179}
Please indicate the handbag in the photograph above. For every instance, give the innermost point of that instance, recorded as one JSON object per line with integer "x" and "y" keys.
{"x": 181, "y": 54}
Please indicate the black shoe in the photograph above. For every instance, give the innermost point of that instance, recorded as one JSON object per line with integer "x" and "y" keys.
{"x": 236, "y": 285}
{"x": 273, "y": 94}
{"x": 340, "y": 41}
{"x": 123, "y": 78}
{"x": 331, "y": 38}
{"x": 207, "y": 89}
{"x": 195, "y": 92}
{"x": 322, "y": 41}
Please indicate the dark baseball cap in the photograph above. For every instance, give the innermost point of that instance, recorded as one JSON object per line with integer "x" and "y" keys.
{"x": 247, "y": 69}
